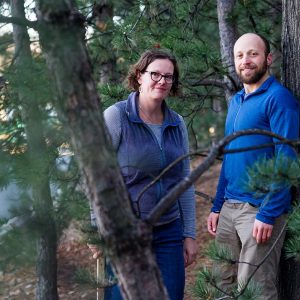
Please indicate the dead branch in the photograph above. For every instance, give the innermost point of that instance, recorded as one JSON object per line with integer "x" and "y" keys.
{"x": 216, "y": 150}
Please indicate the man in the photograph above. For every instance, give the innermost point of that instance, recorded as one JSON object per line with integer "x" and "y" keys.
{"x": 248, "y": 225}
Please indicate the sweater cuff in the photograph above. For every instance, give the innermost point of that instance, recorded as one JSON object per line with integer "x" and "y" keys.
{"x": 265, "y": 219}
{"x": 190, "y": 234}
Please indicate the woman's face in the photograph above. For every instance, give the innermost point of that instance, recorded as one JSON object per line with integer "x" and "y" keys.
{"x": 151, "y": 85}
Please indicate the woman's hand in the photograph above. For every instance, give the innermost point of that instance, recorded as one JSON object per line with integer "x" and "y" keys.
{"x": 95, "y": 250}
{"x": 190, "y": 251}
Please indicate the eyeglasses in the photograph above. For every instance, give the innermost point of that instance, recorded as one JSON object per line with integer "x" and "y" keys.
{"x": 155, "y": 76}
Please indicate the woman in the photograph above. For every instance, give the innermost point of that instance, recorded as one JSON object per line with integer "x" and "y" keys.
{"x": 148, "y": 136}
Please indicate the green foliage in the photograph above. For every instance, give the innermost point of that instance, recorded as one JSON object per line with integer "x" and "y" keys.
{"x": 92, "y": 235}
{"x": 292, "y": 248}
{"x": 271, "y": 175}
{"x": 112, "y": 93}
{"x": 28, "y": 87}
{"x": 220, "y": 253}
{"x": 69, "y": 205}
{"x": 268, "y": 176}
{"x": 292, "y": 244}
{"x": 204, "y": 286}
{"x": 85, "y": 277}
{"x": 251, "y": 292}
{"x": 6, "y": 42}
{"x": 18, "y": 249}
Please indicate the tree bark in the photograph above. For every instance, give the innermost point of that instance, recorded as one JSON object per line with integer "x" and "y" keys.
{"x": 46, "y": 264}
{"x": 289, "y": 279}
{"x": 291, "y": 46}
{"x": 127, "y": 239}
{"x": 228, "y": 36}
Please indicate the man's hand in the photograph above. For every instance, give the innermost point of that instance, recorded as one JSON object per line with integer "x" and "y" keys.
{"x": 212, "y": 223}
{"x": 189, "y": 251}
{"x": 261, "y": 231}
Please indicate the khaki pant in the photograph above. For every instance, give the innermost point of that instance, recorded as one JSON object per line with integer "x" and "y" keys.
{"x": 235, "y": 232}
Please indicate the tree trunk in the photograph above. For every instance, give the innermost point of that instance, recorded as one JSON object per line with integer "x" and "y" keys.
{"x": 291, "y": 46}
{"x": 39, "y": 163}
{"x": 228, "y": 36}
{"x": 127, "y": 239}
{"x": 290, "y": 269}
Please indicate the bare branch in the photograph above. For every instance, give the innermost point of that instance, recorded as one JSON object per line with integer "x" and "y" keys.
{"x": 266, "y": 256}
{"x": 215, "y": 151}
{"x": 211, "y": 82}
{"x": 292, "y": 143}
{"x": 203, "y": 195}
{"x": 13, "y": 223}
{"x": 138, "y": 20}
{"x": 227, "y": 84}
{"x": 164, "y": 171}
{"x": 263, "y": 259}
{"x": 171, "y": 197}
{"x": 19, "y": 21}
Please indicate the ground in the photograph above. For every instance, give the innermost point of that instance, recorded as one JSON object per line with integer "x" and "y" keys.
{"x": 73, "y": 254}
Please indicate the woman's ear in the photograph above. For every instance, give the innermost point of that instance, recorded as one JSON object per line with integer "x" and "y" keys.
{"x": 138, "y": 77}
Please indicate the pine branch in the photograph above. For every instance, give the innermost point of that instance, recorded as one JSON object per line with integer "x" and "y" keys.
{"x": 192, "y": 14}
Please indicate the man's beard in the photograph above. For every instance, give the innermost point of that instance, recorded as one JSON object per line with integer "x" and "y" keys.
{"x": 256, "y": 76}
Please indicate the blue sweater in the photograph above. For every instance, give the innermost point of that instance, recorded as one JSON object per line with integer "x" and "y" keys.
{"x": 271, "y": 107}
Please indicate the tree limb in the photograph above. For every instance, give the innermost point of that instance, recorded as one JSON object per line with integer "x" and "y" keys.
{"x": 19, "y": 21}
{"x": 13, "y": 223}
{"x": 261, "y": 262}
{"x": 205, "y": 196}
{"x": 211, "y": 82}
{"x": 293, "y": 143}
{"x": 215, "y": 151}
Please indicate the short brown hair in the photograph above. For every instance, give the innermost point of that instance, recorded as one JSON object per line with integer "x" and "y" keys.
{"x": 144, "y": 61}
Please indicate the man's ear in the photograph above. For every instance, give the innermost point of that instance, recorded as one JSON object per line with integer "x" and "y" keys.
{"x": 269, "y": 59}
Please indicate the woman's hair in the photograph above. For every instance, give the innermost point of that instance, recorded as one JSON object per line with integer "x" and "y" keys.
{"x": 145, "y": 60}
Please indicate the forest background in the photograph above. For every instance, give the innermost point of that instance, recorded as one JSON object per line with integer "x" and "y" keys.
{"x": 52, "y": 126}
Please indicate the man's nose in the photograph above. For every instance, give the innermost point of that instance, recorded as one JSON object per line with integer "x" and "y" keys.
{"x": 246, "y": 59}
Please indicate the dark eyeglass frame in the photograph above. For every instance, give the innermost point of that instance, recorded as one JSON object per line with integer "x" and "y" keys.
{"x": 168, "y": 78}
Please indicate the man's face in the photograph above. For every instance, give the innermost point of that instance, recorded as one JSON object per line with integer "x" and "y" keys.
{"x": 251, "y": 62}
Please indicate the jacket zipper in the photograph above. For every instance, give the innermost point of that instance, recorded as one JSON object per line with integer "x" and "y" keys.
{"x": 159, "y": 183}
{"x": 236, "y": 116}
